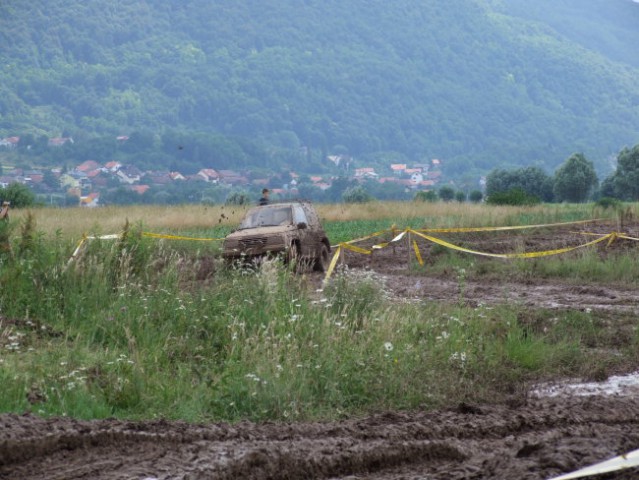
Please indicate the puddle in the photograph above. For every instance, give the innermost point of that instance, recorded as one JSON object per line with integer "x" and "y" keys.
{"x": 624, "y": 385}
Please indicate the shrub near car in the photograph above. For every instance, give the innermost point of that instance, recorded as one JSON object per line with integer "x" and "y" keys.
{"x": 292, "y": 229}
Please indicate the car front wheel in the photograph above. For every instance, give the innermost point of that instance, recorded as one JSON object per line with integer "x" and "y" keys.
{"x": 322, "y": 260}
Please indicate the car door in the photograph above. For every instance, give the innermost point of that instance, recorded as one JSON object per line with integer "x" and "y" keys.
{"x": 307, "y": 249}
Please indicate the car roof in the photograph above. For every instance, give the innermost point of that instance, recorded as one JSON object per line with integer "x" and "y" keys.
{"x": 281, "y": 204}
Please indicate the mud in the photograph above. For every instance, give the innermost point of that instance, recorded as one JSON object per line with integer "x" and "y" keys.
{"x": 391, "y": 267}
{"x": 539, "y": 439}
{"x": 536, "y": 441}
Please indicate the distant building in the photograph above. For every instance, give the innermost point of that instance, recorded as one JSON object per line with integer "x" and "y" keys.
{"x": 10, "y": 142}
{"x": 59, "y": 141}
{"x": 209, "y": 175}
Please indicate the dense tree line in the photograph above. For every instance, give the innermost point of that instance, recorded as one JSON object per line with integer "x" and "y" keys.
{"x": 228, "y": 84}
{"x": 574, "y": 181}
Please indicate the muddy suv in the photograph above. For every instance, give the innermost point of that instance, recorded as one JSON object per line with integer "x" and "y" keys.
{"x": 291, "y": 229}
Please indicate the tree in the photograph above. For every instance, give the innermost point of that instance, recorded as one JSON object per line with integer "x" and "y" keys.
{"x": 475, "y": 196}
{"x": 460, "y": 196}
{"x": 356, "y": 194}
{"x": 18, "y": 194}
{"x": 575, "y": 179}
{"x": 425, "y": 196}
{"x": 446, "y": 193}
{"x": 532, "y": 180}
{"x": 626, "y": 178}
{"x": 238, "y": 198}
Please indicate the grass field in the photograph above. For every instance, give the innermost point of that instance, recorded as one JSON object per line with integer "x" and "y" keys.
{"x": 136, "y": 328}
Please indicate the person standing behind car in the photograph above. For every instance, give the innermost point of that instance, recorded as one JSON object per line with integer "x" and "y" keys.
{"x": 264, "y": 199}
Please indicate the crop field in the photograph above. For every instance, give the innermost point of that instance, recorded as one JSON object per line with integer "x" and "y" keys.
{"x": 147, "y": 357}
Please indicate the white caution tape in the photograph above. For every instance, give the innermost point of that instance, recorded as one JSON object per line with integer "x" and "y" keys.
{"x": 629, "y": 460}
{"x": 106, "y": 237}
{"x": 399, "y": 237}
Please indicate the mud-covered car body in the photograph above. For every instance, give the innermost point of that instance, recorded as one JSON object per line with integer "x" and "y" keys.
{"x": 291, "y": 228}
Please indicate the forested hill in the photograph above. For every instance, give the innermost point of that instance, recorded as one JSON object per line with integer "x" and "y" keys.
{"x": 477, "y": 83}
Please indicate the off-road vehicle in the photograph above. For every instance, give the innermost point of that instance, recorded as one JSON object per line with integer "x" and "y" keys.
{"x": 290, "y": 229}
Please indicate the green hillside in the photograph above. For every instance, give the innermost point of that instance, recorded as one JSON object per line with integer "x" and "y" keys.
{"x": 476, "y": 83}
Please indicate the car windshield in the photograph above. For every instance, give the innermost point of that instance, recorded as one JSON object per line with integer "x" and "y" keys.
{"x": 268, "y": 216}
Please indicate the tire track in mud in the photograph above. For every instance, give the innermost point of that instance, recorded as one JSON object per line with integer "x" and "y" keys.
{"x": 543, "y": 438}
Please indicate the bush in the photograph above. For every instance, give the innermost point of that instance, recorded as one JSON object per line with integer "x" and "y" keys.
{"x": 608, "y": 202}
{"x": 238, "y": 198}
{"x": 446, "y": 193}
{"x": 476, "y": 196}
{"x": 515, "y": 196}
{"x": 427, "y": 196}
{"x": 356, "y": 195}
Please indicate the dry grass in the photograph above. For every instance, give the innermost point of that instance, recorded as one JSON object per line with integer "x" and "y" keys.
{"x": 74, "y": 222}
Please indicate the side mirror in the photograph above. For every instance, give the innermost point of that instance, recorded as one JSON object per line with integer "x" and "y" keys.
{"x": 302, "y": 225}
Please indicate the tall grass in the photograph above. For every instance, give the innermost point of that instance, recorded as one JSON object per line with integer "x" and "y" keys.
{"x": 74, "y": 222}
{"x": 134, "y": 329}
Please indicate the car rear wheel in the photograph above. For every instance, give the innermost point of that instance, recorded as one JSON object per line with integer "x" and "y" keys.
{"x": 322, "y": 260}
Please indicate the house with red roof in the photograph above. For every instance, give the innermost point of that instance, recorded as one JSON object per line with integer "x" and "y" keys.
{"x": 90, "y": 200}
{"x": 141, "y": 189}
{"x": 10, "y": 142}
{"x": 87, "y": 166}
{"x": 113, "y": 166}
{"x": 398, "y": 168}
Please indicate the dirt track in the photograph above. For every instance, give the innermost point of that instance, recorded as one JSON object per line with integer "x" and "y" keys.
{"x": 537, "y": 440}
{"x": 390, "y": 266}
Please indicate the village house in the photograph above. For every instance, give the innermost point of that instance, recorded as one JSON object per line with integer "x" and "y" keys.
{"x": 209, "y": 175}
{"x": 90, "y": 200}
{"x": 366, "y": 172}
{"x": 398, "y": 168}
{"x": 157, "y": 178}
{"x": 129, "y": 174}
{"x": 416, "y": 178}
{"x": 231, "y": 177}
{"x": 59, "y": 141}
{"x": 139, "y": 189}
{"x": 113, "y": 166}
{"x": 87, "y": 166}
{"x": 10, "y": 142}
{"x": 33, "y": 176}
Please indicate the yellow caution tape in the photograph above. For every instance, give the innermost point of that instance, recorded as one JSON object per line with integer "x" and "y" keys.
{"x": 177, "y": 237}
{"x": 77, "y": 249}
{"x": 626, "y": 237}
{"x": 331, "y": 267}
{"x": 629, "y": 460}
{"x": 495, "y": 229}
{"x": 418, "y": 253}
{"x": 617, "y": 235}
{"x": 379, "y": 246}
{"x": 355, "y": 249}
{"x": 511, "y": 255}
{"x": 361, "y": 239}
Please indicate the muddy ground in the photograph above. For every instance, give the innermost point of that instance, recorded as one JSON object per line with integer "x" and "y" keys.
{"x": 406, "y": 281}
{"x": 536, "y": 439}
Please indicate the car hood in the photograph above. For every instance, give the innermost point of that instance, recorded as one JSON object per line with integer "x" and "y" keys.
{"x": 261, "y": 231}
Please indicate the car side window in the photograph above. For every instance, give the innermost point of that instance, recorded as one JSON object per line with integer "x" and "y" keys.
{"x": 299, "y": 215}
